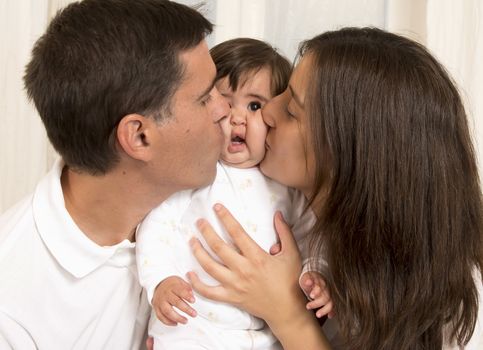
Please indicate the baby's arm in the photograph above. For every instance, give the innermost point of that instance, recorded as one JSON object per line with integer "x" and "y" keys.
{"x": 173, "y": 292}
{"x": 311, "y": 282}
{"x": 159, "y": 245}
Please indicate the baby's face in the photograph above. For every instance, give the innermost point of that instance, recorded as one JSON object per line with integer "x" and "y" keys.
{"x": 244, "y": 130}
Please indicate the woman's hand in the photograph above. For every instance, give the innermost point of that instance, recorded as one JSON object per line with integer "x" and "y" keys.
{"x": 264, "y": 285}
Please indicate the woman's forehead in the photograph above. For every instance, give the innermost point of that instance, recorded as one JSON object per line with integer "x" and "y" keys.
{"x": 300, "y": 77}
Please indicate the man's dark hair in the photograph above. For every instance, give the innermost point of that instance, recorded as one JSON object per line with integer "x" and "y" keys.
{"x": 100, "y": 60}
{"x": 236, "y": 57}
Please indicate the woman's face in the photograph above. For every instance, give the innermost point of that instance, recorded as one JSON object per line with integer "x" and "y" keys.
{"x": 289, "y": 157}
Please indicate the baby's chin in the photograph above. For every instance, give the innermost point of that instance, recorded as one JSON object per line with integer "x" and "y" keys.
{"x": 241, "y": 163}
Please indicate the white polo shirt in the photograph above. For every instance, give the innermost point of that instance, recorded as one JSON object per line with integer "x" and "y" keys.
{"x": 59, "y": 289}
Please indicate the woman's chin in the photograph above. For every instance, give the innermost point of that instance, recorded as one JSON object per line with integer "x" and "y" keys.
{"x": 267, "y": 170}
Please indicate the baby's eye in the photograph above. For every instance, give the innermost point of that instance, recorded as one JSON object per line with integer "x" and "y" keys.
{"x": 254, "y": 106}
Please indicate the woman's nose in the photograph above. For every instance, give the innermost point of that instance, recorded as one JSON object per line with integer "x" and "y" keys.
{"x": 270, "y": 110}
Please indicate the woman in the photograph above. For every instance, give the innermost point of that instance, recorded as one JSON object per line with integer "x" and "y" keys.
{"x": 374, "y": 133}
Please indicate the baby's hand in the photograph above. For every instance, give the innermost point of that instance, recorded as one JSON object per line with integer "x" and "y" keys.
{"x": 173, "y": 291}
{"x": 314, "y": 286}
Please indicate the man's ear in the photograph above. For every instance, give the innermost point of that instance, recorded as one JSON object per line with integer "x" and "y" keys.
{"x": 135, "y": 134}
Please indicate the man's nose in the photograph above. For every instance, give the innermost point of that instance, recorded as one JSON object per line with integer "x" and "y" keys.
{"x": 222, "y": 108}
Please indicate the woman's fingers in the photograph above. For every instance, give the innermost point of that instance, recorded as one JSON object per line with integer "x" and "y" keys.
{"x": 210, "y": 265}
{"x": 242, "y": 240}
{"x": 285, "y": 235}
{"x": 275, "y": 249}
{"x": 223, "y": 250}
{"x": 217, "y": 293}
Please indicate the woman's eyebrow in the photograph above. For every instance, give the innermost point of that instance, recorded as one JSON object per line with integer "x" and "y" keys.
{"x": 296, "y": 97}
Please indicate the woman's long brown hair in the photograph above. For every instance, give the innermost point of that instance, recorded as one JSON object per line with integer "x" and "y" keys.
{"x": 402, "y": 222}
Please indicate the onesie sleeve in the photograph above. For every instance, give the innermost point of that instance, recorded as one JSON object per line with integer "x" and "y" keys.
{"x": 302, "y": 221}
{"x": 157, "y": 242}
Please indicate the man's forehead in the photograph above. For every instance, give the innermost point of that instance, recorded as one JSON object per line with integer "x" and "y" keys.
{"x": 198, "y": 72}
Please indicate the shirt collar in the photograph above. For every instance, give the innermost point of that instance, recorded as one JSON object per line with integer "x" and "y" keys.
{"x": 73, "y": 250}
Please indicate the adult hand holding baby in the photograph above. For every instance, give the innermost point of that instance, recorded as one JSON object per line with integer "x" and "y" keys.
{"x": 262, "y": 284}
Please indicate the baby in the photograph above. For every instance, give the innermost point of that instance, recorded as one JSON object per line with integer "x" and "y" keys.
{"x": 249, "y": 73}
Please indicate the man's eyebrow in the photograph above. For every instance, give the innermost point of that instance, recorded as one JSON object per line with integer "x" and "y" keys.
{"x": 207, "y": 90}
{"x": 296, "y": 97}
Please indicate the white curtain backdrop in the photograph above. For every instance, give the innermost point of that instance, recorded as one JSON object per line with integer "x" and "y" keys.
{"x": 449, "y": 28}
{"x": 25, "y": 153}
{"x": 285, "y": 23}
{"x": 453, "y": 32}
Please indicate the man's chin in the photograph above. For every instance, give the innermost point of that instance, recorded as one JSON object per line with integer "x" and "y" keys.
{"x": 208, "y": 178}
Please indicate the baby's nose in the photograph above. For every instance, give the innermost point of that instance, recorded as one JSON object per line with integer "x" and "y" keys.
{"x": 238, "y": 118}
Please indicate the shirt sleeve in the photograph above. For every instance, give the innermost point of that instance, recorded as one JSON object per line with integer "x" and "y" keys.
{"x": 13, "y": 335}
{"x": 158, "y": 240}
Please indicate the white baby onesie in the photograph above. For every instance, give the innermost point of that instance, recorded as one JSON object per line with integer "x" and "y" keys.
{"x": 163, "y": 251}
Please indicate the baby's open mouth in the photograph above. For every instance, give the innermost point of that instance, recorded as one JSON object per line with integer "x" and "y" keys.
{"x": 237, "y": 140}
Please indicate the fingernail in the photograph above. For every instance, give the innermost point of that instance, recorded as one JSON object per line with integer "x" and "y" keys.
{"x": 217, "y": 207}
{"x": 280, "y": 215}
{"x": 200, "y": 222}
{"x": 192, "y": 241}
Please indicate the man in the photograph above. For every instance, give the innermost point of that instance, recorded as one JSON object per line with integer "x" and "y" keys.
{"x": 126, "y": 92}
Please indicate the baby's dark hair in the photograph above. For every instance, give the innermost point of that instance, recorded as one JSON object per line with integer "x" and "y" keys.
{"x": 234, "y": 58}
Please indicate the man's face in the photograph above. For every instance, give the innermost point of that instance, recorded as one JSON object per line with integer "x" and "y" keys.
{"x": 190, "y": 140}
